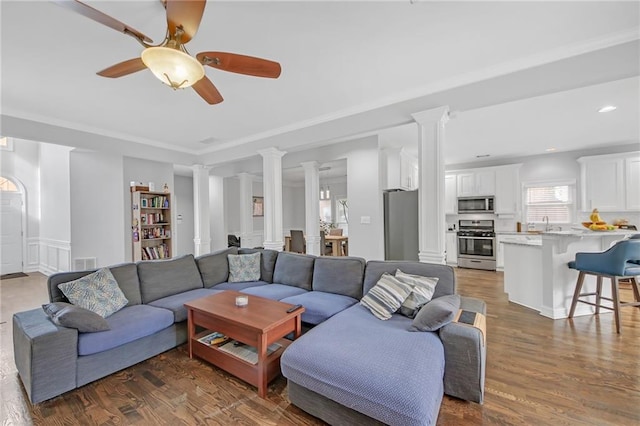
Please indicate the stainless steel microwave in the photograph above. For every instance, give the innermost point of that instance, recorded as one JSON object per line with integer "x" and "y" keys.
{"x": 475, "y": 205}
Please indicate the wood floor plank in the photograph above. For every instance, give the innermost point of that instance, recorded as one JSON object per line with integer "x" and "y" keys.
{"x": 539, "y": 371}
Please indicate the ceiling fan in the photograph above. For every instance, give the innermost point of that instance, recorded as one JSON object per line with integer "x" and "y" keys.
{"x": 169, "y": 61}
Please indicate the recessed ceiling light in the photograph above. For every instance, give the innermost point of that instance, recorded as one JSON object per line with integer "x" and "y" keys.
{"x": 608, "y": 108}
{"x": 550, "y": 149}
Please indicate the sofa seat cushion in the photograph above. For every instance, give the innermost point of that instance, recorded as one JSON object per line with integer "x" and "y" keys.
{"x": 320, "y": 306}
{"x": 239, "y": 286}
{"x": 128, "y": 324}
{"x": 274, "y": 291}
{"x": 378, "y": 368}
{"x": 176, "y": 302}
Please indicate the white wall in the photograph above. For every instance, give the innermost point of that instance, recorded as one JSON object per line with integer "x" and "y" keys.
{"x": 365, "y": 201}
{"x": 231, "y": 197}
{"x": 293, "y": 202}
{"x": 183, "y": 215}
{"x": 145, "y": 171}
{"x": 98, "y": 227}
{"x": 55, "y": 209}
{"x": 22, "y": 165}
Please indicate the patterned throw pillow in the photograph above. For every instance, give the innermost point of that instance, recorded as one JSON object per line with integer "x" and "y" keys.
{"x": 97, "y": 292}
{"x": 386, "y": 296}
{"x": 421, "y": 293}
{"x": 244, "y": 267}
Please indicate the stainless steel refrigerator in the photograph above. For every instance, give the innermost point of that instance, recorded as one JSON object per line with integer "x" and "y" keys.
{"x": 400, "y": 225}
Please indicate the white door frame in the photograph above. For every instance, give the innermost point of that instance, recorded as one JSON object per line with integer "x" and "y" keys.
{"x": 23, "y": 201}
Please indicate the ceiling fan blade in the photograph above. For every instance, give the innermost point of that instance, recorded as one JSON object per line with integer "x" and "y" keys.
{"x": 205, "y": 88}
{"x": 104, "y": 19}
{"x": 240, "y": 64}
{"x": 123, "y": 68}
{"x": 185, "y": 13}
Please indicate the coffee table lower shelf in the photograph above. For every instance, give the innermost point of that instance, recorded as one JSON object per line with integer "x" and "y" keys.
{"x": 237, "y": 366}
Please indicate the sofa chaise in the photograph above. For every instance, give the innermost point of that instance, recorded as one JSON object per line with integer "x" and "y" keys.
{"x": 350, "y": 367}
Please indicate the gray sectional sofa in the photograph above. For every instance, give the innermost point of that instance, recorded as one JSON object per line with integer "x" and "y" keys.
{"x": 349, "y": 368}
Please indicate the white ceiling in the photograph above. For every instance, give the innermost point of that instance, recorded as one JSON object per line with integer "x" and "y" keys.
{"x": 519, "y": 76}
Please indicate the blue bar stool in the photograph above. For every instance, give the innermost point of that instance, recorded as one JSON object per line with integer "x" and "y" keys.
{"x": 621, "y": 262}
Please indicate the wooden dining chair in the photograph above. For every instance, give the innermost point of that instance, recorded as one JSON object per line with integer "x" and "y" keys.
{"x": 298, "y": 244}
{"x": 325, "y": 249}
{"x": 335, "y": 231}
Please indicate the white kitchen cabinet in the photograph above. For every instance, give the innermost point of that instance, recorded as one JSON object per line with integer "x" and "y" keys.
{"x": 450, "y": 194}
{"x": 452, "y": 248}
{"x": 401, "y": 169}
{"x": 507, "y": 179}
{"x": 499, "y": 252}
{"x": 476, "y": 182}
{"x": 610, "y": 182}
{"x": 632, "y": 181}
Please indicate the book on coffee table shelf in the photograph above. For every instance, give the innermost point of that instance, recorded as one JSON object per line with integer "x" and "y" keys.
{"x": 246, "y": 352}
{"x": 214, "y": 338}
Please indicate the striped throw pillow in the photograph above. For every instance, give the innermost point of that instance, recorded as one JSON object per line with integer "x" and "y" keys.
{"x": 421, "y": 293}
{"x": 386, "y": 296}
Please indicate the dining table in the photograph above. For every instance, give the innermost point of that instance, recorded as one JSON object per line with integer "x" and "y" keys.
{"x": 336, "y": 241}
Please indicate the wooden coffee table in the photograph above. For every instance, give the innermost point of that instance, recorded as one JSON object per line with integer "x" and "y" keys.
{"x": 259, "y": 324}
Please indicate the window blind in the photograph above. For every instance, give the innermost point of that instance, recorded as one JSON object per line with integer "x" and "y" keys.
{"x": 553, "y": 201}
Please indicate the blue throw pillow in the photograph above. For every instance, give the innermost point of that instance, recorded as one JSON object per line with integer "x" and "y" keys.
{"x": 71, "y": 316}
{"x": 436, "y": 314}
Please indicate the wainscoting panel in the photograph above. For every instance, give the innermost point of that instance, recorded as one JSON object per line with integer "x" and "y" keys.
{"x": 32, "y": 263}
{"x": 55, "y": 256}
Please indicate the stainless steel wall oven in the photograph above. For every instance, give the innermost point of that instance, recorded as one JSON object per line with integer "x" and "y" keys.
{"x": 476, "y": 244}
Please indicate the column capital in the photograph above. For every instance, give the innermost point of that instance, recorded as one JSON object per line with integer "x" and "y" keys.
{"x": 196, "y": 167}
{"x": 312, "y": 165}
{"x": 245, "y": 175}
{"x": 432, "y": 116}
{"x": 271, "y": 152}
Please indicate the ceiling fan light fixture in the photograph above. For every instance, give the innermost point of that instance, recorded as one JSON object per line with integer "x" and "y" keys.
{"x": 172, "y": 67}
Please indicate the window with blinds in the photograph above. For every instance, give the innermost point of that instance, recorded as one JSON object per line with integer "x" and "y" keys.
{"x": 552, "y": 201}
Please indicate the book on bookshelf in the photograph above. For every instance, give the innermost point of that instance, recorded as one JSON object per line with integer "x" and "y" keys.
{"x": 150, "y": 225}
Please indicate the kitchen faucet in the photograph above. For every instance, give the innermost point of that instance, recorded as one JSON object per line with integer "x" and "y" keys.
{"x": 546, "y": 220}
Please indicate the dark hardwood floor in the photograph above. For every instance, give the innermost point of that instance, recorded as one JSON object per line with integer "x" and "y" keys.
{"x": 539, "y": 372}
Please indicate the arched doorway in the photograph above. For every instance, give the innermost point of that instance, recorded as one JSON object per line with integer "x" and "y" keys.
{"x": 11, "y": 224}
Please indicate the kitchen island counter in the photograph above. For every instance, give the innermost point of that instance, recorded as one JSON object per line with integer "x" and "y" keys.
{"x": 536, "y": 274}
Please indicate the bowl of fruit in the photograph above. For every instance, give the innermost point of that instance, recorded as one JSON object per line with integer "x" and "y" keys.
{"x": 597, "y": 224}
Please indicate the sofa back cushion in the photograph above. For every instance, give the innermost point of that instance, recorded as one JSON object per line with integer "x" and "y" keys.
{"x": 126, "y": 274}
{"x": 267, "y": 262}
{"x": 127, "y": 277}
{"x": 214, "y": 267}
{"x": 294, "y": 269}
{"x": 162, "y": 278}
{"x": 446, "y": 278}
{"x": 339, "y": 275}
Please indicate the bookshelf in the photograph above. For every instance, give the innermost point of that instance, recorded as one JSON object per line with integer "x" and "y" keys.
{"x": 151, "y": 225}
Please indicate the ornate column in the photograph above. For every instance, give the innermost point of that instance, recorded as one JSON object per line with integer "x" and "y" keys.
{"x": 202, "y": 233}
{"x": 246, "y": 217}
{"x": 431, "y": 209}
{"x": 312, "y": 206}
{"x": 216, "y": 213}
{"x": 272, "y": 181}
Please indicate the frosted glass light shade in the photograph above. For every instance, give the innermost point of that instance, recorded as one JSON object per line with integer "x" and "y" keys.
{"x": 173, "y": 67}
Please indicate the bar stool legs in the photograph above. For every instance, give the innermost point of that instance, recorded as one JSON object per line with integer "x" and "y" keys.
{"x": 615, "y": 295}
